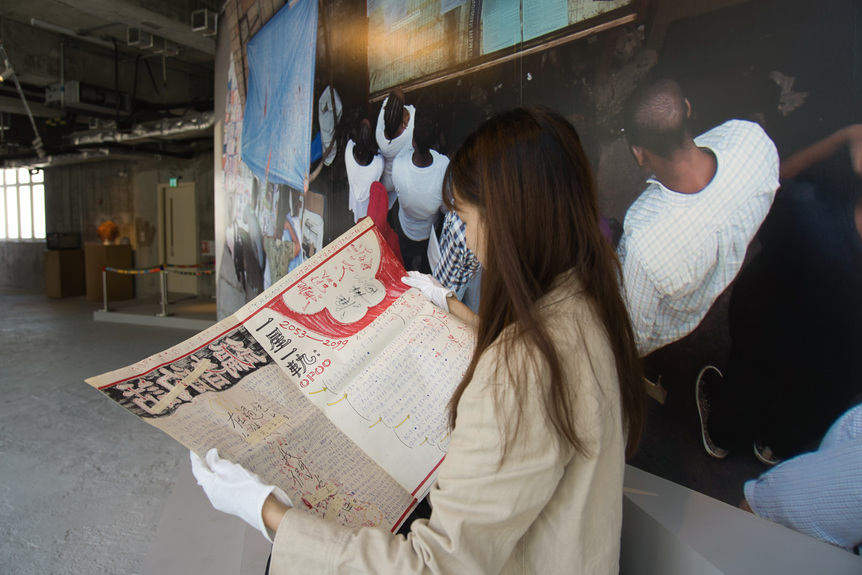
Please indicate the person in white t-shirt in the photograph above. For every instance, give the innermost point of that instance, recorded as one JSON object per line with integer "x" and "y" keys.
{"x": 364, "y": 167}
{"x": 418, "y": 178}
{"x": 394, "y": 134}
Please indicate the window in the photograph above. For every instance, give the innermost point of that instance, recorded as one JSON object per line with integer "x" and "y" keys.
{"x": 22, "y": 204}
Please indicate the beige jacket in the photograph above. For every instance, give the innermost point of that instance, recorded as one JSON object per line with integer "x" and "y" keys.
{"x": 547, "y": 509}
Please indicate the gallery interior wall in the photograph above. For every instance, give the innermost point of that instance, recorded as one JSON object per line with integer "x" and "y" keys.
{"x": 81, "y": 197}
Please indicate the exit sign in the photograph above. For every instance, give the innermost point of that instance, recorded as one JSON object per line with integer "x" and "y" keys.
{"x": 173, "y": 182}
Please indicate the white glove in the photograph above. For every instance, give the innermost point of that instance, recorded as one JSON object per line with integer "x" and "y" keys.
{"x": 235, "y": 490}
{"x": 430, "y": 288}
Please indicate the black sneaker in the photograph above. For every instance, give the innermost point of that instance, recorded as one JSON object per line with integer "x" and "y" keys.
{"x": 702, "y": 397}
{"x": 765, "y": 455}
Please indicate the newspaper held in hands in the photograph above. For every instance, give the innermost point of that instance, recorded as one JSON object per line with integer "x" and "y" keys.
{"x": 333, "y": 385}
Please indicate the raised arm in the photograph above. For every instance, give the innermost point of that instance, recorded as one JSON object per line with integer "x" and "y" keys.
{"x": 851, "y": 136}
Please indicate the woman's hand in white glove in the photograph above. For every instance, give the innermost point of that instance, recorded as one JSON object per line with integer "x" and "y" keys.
{"x": 235, "y": 490}
{"x": 430, "y": 288}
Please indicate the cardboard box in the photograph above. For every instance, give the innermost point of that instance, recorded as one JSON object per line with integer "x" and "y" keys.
{"x": 64, "y": 273}
{"x": 120, "y": 286}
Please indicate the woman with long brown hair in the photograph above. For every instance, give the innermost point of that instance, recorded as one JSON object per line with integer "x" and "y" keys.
{"x": 553, "y": 399}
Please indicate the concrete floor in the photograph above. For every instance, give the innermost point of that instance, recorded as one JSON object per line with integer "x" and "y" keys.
{"x": 85, "y": 487}
{"x": 83, "y": 483}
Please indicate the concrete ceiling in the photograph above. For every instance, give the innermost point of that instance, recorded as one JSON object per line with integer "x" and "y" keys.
{"x": 53, "y": 41}
{"x": 110, "y": 19}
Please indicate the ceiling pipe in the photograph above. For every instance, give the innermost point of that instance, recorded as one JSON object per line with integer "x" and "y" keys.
{"x": 71, "y": 33}
{"x": 10, "y": 74}
{"x": 81, "y": 157}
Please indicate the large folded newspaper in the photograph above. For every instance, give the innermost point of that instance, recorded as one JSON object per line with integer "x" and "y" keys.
{"x": 333, "y": 384}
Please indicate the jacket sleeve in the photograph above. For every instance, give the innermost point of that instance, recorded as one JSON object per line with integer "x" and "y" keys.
{"x": 481, "y": 508}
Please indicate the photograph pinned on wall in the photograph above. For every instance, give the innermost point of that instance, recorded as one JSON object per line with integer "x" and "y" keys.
{"x": 302, "y": 232}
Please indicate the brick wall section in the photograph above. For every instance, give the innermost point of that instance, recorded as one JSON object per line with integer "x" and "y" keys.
{"x": 244, "y": 19}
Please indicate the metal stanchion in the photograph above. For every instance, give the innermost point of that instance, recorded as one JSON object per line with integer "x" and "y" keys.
{"x": 164, "y": 282}
{"x": 104, "y": 291}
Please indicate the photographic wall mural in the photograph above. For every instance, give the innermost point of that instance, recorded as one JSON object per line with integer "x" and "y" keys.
{"x": 788, "y": 322}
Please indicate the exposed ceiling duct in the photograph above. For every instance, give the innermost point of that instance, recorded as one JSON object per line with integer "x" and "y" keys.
{"x": 78, "y": 96}
{"x": 159, "y": 129}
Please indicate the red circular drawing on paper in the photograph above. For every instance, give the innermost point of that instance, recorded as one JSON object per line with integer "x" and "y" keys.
{"x": 389, "y": 273}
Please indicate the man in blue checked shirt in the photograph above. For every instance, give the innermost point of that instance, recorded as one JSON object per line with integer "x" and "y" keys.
{"x": 817, "y": 493}
{"x": 457, "y": 263}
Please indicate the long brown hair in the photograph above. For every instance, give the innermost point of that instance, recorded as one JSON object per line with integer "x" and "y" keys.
{"x": 527, "y": 174}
